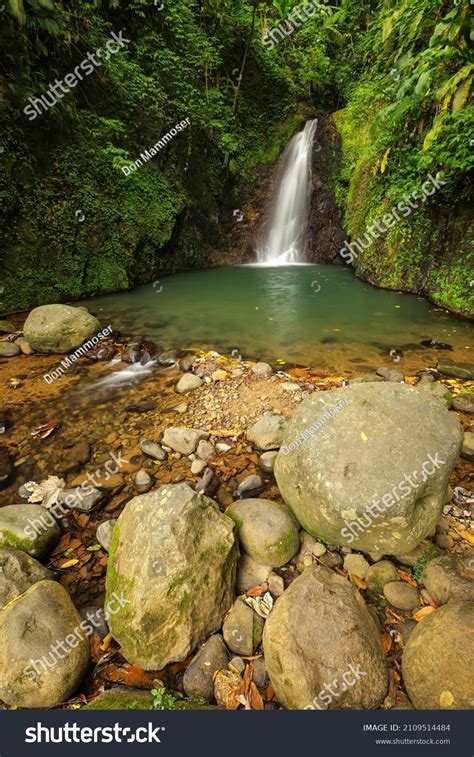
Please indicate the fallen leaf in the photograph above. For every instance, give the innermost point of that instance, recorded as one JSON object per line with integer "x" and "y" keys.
{"x": 363, "y": 436}
{"x": 407, "y": 578}
{"x": 358, "y": 582}
{"x": 386, "y": 642}
{"x": 227, "y": 687}
{"x": 255, "y": 699}
{"x": 420, "y": 614}
{"x": 255, "y": 591}
{"x": 68, "y": 564}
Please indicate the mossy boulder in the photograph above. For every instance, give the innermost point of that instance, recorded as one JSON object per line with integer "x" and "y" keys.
{"x": 267, "y": 531}
{"x": 122, "y": 698}
{"x": 368, "y": 465}
{"x": 44, "y": 652}
{"x": 59, "y": 328}
{"x": 173, "y": 559}
{"x": 29, "y": 528}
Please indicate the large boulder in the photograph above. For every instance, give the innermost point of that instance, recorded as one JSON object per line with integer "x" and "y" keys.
{"x": 59, "y": 328}
{"x": 29, "y": 528}
{"x": 320, "y": 637}
{"x": 435, "y": 662}
{"x": 18, "y": 571}
{"x": 368, "y": 465}
{"x": 267, "y": 531}
{"x": 44, "y": 651}
{"x": 173, "y": 558}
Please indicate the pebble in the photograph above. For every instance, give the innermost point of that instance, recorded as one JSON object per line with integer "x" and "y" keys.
{"x": 401, "y": 595}
{"x": 444, "y": 541}
{"x": 197, "y": 466}
{"x": 143, "y": 481}
{"x": 24, "y": 346}
{"x": 251, "y": 486}
{"x": 289, "y": 386}
{"x": 9, "y": 349}
{"x": 205, "y": 450}
{"x": 267, "y": 461}
{"x": 276, "y": 585}
{"x": 104, "y": 533}
{"x": 262, "y": 370}
{"x": 169, "y": 357}
{"x": 186, "y": 362}
{"x": 467, "y": 449}
{"x": 181, "y": 408}
{"x": 390, "y": 374}
{"x": 188, "y": 383}
{"x": 356, "y": 565}
{"x": 223, "y": 447}
{"x": 220, "y": 375}
{"x": 152, "y": 449}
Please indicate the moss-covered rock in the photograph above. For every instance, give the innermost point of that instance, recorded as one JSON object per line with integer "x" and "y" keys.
{"x": 29, "y": 528}
{"x": 173, "y": 559}
{"x": 267, "y": 531}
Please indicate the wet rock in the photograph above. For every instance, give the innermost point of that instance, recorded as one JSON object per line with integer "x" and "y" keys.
{"x": 187, "y": 383}
{"x": 401, "y": 595}
{"x": 464, "y": 402}
{"x": 18, "y": 571}
{"x": 76, "y": 499}
{"x": 267, "y": 531}
{"x": 260, "y": 675}
{"x": 251, "y": 486}
{"x": 268, "y": 432}
{"x": 434, "y": 662}
{"x": 238, "y": 663}
{"x": 186, "y": 362}
{"x": 463, "y": 371}
{"x": 205, "y": 450}
{"x": 141, "y": 407}
{"x": 3, "y": 423}
{"x": 143, "y": 481}
{"x": 6, "y": 327}
{"x": 169, "y": 357}
{"x": 436, "y": 389}
{"x": 32, "y": 673}
{"x": 132, "y": 353}
{"x": 367, "y": 378}
{"x": 356, "y": 565}
{"x": 152, "y": 449}
{"x": 198, "y": 677}
{"x": 318, "y": 629}
{"x": 59, "y": 328}
{"x": 250, "y": 573}
{"x": 467, "y": 449}
{"x": 104, "y": 533}
{"x": 29, "y": 528}
{"x": 267, "y": 461}
{"x": 379, "y": 574}
{"x": 389, "y": 429}
{"x": 96, "y": 618}
{"x": 450, "y": 578}
{"x": 9, "y": 349}
{"x": 6, "y": 465}
{"x": 173, "y": 542}
{"x": 390, "y": 374}
{"x": 262, "y": 370}
{"x": 24, "y": 346}
{"x": 209, "y": 483}
{"x": 183, "y": 440}
{"x": 435, "y": 344}
{"x": 242, "y": 629}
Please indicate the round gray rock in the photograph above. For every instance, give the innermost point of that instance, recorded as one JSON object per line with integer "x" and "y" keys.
{"x": 401, "y": 595}
{"x": 242, "y": 629}
{"x": 358, "y": 447}
{"x": 450, "y": 578}
{"x": 32, "y": 672}
{"x": 379, "y": 574}
{"x": 268, "y": 432}
{"x": 267, "y": 531}
{"x": 319, "y": 630}
{"x": 435, "y": 666}
{"x": 18, "y": 571}
{"x": 59, "y": 328}
{"x": 198, "y": 677}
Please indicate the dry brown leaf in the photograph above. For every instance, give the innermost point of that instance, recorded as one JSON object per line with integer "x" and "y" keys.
{"x": 129, "y": 675}
{"x": 407, "y": 578}
{"x": 68, "y": 564}
{"x": 227, "y": 687}
{"x": 386, "y": 642}
{"x": 420, "y": 614}
{"x": 269, "y": 693}
{"x": 358, "y": 582}
{"x": 255, "y": 591}
{"x": 255, "y": 699}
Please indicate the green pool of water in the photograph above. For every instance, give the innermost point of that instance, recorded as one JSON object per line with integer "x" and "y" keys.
{"x": 315, "y": 315}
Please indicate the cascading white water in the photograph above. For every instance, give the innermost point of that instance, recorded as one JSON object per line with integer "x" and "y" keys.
{"x": 285, "y": 241}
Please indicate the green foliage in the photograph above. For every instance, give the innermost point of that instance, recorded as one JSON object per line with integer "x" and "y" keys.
{"x": 420, "y": 565}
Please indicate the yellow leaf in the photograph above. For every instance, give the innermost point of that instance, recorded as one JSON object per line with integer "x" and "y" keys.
{"x": 446, "y": 699}
{"x": 423, "y": 613}
{"x": 68, "y": 564}
{"x": 383, "y": 165}
{"x": 363, "y": 436}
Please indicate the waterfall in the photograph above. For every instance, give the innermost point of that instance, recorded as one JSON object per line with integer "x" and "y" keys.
{"x": 285, "y": 240}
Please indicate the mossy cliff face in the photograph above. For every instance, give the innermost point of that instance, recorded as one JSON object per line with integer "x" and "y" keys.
{"x": 431, "y": 250}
